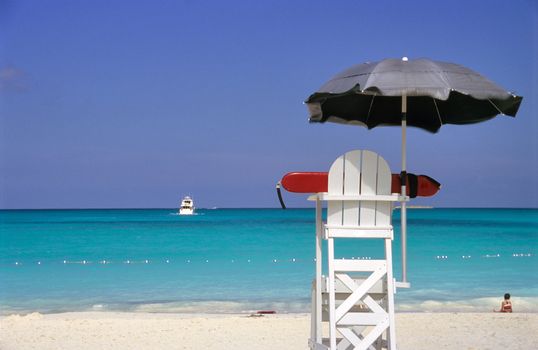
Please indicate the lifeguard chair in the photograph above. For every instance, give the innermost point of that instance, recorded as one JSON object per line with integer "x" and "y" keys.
{"x": 357, "y": 296}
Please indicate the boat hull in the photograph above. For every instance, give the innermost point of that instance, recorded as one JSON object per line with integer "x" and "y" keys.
{"x": 186, "y": 211}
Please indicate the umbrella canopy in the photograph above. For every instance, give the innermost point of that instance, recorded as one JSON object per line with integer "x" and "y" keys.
{"x": 438, "y": 93}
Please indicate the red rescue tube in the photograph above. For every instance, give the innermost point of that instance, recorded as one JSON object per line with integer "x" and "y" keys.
{"x": 314, "y": 182}
{"x": 305, "y": 182}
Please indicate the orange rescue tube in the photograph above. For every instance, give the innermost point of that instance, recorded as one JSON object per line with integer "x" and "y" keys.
{"x": 315, "y": 182}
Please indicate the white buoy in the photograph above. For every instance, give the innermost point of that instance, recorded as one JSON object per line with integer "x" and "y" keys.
{"x": 405, "y": 59}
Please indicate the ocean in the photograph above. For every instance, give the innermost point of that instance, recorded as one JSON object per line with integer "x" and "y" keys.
{"x": 242, "y": 260}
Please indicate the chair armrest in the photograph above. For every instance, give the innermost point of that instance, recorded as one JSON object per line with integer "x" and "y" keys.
{"x": 373, "y": 198}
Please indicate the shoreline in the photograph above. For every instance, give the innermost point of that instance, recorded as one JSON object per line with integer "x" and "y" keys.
{"x": 142, "y": 330}
{"x": 253, "y": 313}
{"x": 523, "y": 304}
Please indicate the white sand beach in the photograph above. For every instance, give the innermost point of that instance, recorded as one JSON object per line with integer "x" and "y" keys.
{"x": 111, "y": 330}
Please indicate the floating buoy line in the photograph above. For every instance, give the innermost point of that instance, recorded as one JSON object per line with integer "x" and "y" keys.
{"x": 248, "y": 261}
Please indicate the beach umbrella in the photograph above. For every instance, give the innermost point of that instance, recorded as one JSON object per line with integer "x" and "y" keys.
{"x": 421, "y": 93}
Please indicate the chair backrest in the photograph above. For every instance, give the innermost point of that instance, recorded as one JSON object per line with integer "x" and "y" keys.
{"x": 359, "y": 173}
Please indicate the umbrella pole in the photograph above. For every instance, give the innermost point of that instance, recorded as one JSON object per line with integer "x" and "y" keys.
{"x": 403, "y": 181}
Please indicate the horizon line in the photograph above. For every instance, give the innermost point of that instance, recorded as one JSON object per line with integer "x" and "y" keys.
{"x": 245, "y": 208}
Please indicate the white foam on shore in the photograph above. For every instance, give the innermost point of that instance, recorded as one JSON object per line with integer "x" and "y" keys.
{"x": 520, "y": 304}
{"x": 477, "y": 305}
{"x": 223, "y": 307}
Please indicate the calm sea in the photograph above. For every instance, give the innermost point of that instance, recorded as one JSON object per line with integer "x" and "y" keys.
{"x": 241, "y": 260}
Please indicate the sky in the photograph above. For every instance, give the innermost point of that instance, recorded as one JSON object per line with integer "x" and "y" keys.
{"x": 135, "y": 104}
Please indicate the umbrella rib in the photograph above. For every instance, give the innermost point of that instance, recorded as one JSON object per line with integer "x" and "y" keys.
{"x": 370, "y": 109}
{"x": 438, "y": 114}
{"x": 494, "y": 105}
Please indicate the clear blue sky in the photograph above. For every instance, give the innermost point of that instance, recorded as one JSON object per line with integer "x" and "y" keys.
{"x": 138, "y": 103}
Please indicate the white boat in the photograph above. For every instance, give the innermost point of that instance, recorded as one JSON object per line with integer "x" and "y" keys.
{"x": 187, "y": 206}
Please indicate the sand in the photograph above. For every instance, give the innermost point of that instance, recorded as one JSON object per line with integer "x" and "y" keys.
{"x": 111, "y": 330}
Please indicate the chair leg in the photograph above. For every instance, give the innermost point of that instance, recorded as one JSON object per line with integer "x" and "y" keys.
{"x": 391, "y": 336}
{"x": 332, "y": 296}
{"x": 313, "y": 318}
{"x": 316, "y": 309}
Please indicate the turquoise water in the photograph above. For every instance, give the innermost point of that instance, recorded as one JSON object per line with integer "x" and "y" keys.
{"x": 239, "y": 260}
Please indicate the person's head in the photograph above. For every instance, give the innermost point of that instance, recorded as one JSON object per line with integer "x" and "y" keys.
{"x": 507, "y": 296}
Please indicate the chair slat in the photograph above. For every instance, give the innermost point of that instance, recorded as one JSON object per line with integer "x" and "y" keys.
{"x": 384, "y": 183}
{"x": 352, "y": 176}
{"x": 336, "y": 186}
{"x": 368, "y": 187}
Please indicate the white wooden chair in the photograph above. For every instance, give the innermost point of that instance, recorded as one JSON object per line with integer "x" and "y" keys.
{"x": 357, "y": 297}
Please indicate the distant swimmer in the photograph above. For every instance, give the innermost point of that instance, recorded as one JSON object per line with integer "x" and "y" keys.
{"x": 506, "y": 305}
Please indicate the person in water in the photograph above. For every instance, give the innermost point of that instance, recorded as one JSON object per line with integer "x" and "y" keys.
{"x": 506, "y": 305}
